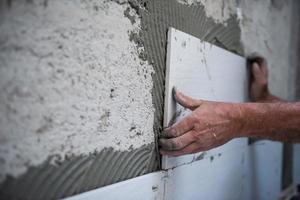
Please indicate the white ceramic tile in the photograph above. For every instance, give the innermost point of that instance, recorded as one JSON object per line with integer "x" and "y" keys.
{"x": 203, "y": 71}
{"x": 296, "y": 163}
{"x": 150, "y": 187}
{"x": 220, "y": 178}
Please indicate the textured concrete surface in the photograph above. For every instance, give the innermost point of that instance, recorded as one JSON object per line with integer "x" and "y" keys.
{"x": 82, "y": 82}
{"x": 268, "y": 27}
{"x": 71, "y": 83}
{"x": 75, "y": 98}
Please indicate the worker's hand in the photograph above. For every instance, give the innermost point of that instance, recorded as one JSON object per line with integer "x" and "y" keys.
{"x": 259, "y": 90}
{"x": 211, "y": 124}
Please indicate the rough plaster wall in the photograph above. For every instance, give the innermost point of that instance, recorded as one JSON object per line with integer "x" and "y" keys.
{"x": 76, "y": 81}
{"x": 72, "y": 86}
{"x": 72, "y": 83}
{"x": 267, "y": 27}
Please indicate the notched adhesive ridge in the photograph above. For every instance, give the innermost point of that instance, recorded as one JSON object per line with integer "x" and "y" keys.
{"x": 79, "y": 174}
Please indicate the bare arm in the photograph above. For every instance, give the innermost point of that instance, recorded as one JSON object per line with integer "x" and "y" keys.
{"x": 274, "y": 121}
{"x": 282, "y": 126}
{"x": 212, "y": 124}
{"x": 259, "y": 89}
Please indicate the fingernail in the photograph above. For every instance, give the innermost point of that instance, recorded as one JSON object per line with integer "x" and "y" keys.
{"x": 172, "y": 132}
{"x": 168, "y": 132}
{"x": 165, "y": 133}
{"x": 256, "y": 67}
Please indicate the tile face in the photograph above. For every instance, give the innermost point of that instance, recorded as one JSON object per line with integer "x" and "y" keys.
{"x": 263, "y": 162}
{"x": 296, "y": 163}
{"x": 204, "y": 71}
{"x": 149, "y": 187}
{"x": 220, "y": 178}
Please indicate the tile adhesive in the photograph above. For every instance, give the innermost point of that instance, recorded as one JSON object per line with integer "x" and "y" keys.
{"x": 78, "y": 174}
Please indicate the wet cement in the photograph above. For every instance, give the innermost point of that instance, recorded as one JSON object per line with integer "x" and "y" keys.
{"x": 83, "y": 173}
{"x": 79, "y": 174}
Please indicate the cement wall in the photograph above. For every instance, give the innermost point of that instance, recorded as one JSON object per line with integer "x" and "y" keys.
{"x": 75, "y": 97}
{"x": 82, "y": 82}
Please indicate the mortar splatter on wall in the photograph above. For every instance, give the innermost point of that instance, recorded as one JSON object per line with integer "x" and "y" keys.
{"x": 82, "y": 86}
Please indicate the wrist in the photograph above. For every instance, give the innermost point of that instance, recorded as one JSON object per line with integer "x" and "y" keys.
{"x": 252, "y": 119}
{"x": 240, "y": 113}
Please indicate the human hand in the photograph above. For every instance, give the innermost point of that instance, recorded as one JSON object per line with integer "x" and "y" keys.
{"x": 211, "y": 124}
{"x": 259, "y": 90}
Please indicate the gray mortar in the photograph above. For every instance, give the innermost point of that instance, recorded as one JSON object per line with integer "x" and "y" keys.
{"x": 156, "y": 17}
{"x": 78, "y": 174}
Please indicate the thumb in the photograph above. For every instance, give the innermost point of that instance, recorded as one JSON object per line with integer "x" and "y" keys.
{"x": 186, "y": 101}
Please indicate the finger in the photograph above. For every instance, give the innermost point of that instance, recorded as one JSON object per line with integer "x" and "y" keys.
{"x": 257, "y": 73}
{"x": 260, "y": 60}
{"x": 179, "y": 128}
{"x": 256, "y": 57}
{"x": 192, "y": 148}
{"x": 264, "y": 67}
{"x": 178, "y": 142}
{"x": 186, "y": 101}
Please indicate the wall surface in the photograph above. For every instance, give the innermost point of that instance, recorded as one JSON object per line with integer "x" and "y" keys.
{"x": 82, "y": 82}
{"x": 76, "y": 98}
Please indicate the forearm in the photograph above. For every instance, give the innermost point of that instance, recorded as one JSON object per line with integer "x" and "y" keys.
{"x": 275, "y": 121}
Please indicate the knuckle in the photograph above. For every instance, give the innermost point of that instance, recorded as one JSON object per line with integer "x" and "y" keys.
{"x": 197, "y": 126}
{"x": 194, "y": 135}
{"x": 193, "y": 117}
{"x": 172, "y": 145}
{"x": 172, "y": 132}
{"x": 176, "y": 144}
